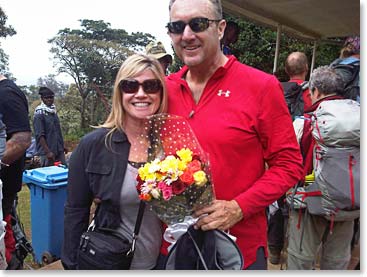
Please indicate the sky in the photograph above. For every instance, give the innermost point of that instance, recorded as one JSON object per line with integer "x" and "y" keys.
{"x": 37, "y": 21}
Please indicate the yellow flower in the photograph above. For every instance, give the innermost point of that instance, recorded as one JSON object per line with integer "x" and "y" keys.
{"x": 200, "y": 178}
{"x": 182, "y": 165}
{"x": 169, "y": 164}
{"x": 146, "y": 172}
{"x": 185, "y": 155}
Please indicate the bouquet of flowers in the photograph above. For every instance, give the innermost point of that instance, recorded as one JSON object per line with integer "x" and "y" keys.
{"x": 176, "y": 179}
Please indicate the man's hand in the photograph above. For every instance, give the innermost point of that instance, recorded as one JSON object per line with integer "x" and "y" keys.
{"x": 221, "y": 214}
{"x": 50, "y": 156}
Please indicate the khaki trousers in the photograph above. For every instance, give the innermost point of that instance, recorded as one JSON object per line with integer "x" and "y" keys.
{"x": 313, "y": 235}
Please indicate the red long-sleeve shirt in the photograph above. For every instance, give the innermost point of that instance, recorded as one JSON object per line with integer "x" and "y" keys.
{"x": 242, "y": 122}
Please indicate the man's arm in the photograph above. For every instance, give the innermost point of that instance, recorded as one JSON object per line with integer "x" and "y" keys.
{"x": 16, "y": 146}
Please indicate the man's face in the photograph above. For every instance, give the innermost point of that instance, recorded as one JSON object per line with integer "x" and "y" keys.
{"x": 48, "y": 100}
{"x": 196, "y": 48}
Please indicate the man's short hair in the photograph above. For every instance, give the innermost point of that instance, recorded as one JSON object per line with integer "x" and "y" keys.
{"x": 217, "y": 4}
{"x": 296, "y": 63}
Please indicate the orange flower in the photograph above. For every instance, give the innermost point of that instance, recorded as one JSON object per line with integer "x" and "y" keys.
{"x": 194, "y": 166}
{"x": 187, "y": 177}
{"x": 145, "y": 197}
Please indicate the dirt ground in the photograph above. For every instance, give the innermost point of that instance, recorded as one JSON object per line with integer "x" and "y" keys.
{"x": 353, "y": 263}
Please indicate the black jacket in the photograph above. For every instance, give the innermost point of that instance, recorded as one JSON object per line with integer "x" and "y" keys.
{"x": 95, "y": 171}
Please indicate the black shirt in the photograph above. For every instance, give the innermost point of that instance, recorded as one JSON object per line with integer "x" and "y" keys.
{"x": 14, "y": 108}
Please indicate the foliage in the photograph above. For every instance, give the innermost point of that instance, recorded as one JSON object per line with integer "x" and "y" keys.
{"x": 69, "y": 114}
{"x": 256, "y": 47}
{"x": 92, "y": 56}
{"x": 4, "y": 32}
{"x": 59, "y": 88}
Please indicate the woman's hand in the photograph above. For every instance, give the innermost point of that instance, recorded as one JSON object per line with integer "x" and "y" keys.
{"x": 221, "y": 214}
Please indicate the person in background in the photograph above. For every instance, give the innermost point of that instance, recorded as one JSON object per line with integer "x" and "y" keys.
{"x": 104, "y": 166}
{"x": 351, "y": 50}
{"x": 230, "y": 36}
{"x": 296, "y": 67}
{"x": 158, "y": 51}
{"x": 14, "y": 108}
{"x": 49, "y": 141}
{"x": 312, "y": 234}
{"x": 350, "y": 57}
{"x": 248, "y": 126}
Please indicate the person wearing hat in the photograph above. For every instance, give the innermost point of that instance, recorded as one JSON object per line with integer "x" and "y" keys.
{"x": 158, "y": 51}
{"x": 49, "y": 140}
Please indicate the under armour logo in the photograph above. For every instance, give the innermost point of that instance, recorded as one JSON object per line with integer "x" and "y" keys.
{"x": 225, "y": 93}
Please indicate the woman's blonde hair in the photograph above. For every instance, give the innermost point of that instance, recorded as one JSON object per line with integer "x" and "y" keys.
{"x": 130, "y": 68}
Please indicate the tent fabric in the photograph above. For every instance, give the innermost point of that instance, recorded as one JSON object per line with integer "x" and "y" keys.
{"x": 307, "y": 19}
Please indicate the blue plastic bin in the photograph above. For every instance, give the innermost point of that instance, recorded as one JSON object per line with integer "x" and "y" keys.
{"x": 47, "y": 187}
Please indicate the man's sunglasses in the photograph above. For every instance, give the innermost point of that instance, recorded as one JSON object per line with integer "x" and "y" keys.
{"x": 197, "y": 24}
{"x": 132, "y": 86}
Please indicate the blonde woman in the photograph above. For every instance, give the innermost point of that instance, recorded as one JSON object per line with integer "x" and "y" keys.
{"x": 103, "y": 166}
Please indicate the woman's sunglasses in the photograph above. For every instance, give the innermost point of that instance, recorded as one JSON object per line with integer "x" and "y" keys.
{"x": 132, "y": 86}
{"x": 197, "y": 24}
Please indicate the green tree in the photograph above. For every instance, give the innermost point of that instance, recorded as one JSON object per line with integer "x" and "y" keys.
{"x": 92, "y": 55}
{"x": 4, "y": 29}
{"x": 59, "y": 88}
{"x": 4, "y": 32}
{"x": 256, "y": 47}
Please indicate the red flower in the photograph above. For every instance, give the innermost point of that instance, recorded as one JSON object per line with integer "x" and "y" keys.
{"x": 187, "y": 177}
{"x": 178, "y": 187}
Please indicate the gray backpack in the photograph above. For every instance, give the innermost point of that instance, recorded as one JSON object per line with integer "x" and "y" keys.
{"x": 335, "y": 193}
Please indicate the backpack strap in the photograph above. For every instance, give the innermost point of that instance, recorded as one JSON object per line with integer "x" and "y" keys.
{"x": 307, "y": 144}
{"x": 304, "y": 85}
{"x": 198, "y": 250}
{"x": 351, "y": 163}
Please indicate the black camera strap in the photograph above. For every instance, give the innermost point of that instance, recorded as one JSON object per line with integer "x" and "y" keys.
{"x": 139, "y": 219}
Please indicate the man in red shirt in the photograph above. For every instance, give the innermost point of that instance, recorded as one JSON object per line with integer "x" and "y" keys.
{"x": 296, "y": 67}
{"x": 240, "y": 118}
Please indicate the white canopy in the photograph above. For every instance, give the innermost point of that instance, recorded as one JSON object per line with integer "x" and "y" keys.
{"x": 316, "y": 20}
{"x": 307, "y": 19}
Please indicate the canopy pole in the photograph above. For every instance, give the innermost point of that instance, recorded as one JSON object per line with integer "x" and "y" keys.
{"x": 313, "y": 56}
{"x": 277, "y": 46}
